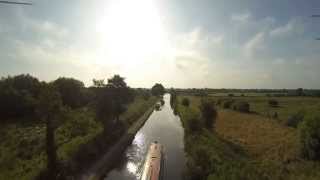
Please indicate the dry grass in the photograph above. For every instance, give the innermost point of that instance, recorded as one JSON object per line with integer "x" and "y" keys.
{"x": 269, "y": 150}
{"x": 259, "y": 136}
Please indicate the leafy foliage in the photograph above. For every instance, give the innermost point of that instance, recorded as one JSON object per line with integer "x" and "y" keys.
{"x": 157, "y": 90}
{"x": 227, "y": 104}
{"x": 71, "y": 90}
{"x": 49, "y": 108}
{"x": 208, "y": 113}
{"x": 111, "y": 101}
{"x": 185, "y": 102}
{"x": 242, "y": 106}
{"x": 310, "y": 137}
{"x": 295, "y": 119}
{"x": 18, "y": 96}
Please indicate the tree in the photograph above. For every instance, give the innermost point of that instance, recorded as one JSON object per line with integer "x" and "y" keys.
{"x": 121, "y": 92}
{"x": 49, "y": 109}
{"x": 208, "y": 113}
{"x": 71, "y": 91}
{"x": 18, "y": 95}
{"x": 98, "y": 82}
{"x": 157, "y": 90}
{"x": 300, "y": 92}
{"x": 112, "y": 100}
{"x": 185, "y": 102}
{"x": 117, "y": 81}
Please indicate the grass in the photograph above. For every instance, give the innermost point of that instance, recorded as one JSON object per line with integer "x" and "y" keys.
{"x": 22, "y": 145}
{"x": 247, "y": 146}
{"x": 260, "y": 137}
{"x": 287, "y": 105}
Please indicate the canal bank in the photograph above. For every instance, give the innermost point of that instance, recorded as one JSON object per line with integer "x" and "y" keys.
{"x": 106, "y": 162}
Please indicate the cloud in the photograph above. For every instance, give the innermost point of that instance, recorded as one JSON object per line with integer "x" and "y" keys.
{"x": 255, "y": 44}
{"x": 293, "y": 26}
{"x": 279, "y": 61}
{"x": 242, "y": 18}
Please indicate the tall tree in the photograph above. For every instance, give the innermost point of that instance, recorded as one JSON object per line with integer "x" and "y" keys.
{"x": 18, "y": 95}
{"x": 49, "y": 109}
{"x": 122, "y": 94}
{"x": 157, "y": 90}
{"x": 112, "y": 100}
{"x": 71, "y": 91}
{"x": 117, "y": 81}
{"x": 98, "y": 82}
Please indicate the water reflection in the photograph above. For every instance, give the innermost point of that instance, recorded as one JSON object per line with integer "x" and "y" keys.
{"x": 162, "y": 126}
{"x": 132, "y": 167}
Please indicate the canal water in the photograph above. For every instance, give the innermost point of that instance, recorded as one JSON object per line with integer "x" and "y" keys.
{"x": 162, "y": 126}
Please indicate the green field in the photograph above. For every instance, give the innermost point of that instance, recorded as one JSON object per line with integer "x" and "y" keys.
{"x": 287, "y": 105}
{"x": 22, "y": 145}
{"x": 247, "y": 146}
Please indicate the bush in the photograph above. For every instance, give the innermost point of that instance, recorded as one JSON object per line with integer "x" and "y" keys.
{"x": 185, "y": 102}
{"x": 310, "y": 137}
{"x": 273, "y": 103}
{"x": 230, "y": 95}
{"x": 162, "y": 102}
{"x": 242, "y": 106}
{"x": 194, "y": 124}
{"x": 295, "y": 120}
{"x": 227, "y": 104}
{"x": 219, "y": 101}
{"x": 208, "y": 113}
{"x": 146, "y": 95}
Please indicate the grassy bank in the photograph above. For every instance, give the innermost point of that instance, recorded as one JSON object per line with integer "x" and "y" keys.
{"x": 243, "y": 146}
{"x": 22, "y": 145}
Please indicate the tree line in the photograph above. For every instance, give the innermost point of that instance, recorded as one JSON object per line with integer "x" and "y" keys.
{"x": 23, "y": 98}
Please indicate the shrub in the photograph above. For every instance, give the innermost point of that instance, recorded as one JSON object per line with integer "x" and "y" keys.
{"x": 194, "y": 124}
{"x": 219, "y": 101}
{"x": 208, "y": 113}
{"x": 230, "y": 95}
{"x": 273, "y": 103}
{"x": 242, "y": 106}
{"x": 185, "y": 102}
{"x": 227, "y": 104}
{"x": 310, "y": 137}
{"x": 275, "y": 115}
{"x": 162, "y": 102}
{"x": 295, "y": 120}
{"x": 146, "y": 95}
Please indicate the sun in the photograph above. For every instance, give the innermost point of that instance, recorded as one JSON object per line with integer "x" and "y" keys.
{"x": 131, "y": 31}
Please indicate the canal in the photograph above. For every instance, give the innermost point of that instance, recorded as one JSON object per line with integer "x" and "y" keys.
{"x": 162, "y": 126}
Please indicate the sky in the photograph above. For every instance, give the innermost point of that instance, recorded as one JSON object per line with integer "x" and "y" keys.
{"x": 179, "y": 43}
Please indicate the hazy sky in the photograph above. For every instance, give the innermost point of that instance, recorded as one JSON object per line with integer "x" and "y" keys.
{"x": 180, "y": 43}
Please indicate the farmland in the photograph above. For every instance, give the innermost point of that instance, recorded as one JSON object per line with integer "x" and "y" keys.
{"x": 241, "y": 141}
